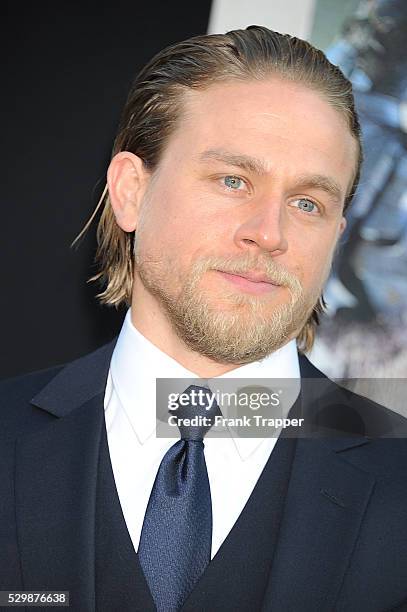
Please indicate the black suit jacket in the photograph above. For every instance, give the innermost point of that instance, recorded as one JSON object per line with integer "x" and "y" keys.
{"x": 343, "y": 539}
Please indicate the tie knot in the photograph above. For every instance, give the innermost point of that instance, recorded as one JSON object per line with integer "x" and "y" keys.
{"x": 195, "y": 412}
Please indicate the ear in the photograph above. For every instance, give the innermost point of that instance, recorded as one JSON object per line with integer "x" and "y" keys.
{"x": 127, "y": 180}
{"x": 342, "y": 226}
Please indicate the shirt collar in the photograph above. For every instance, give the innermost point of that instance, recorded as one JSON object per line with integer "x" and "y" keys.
{"x": 137, "y": 362}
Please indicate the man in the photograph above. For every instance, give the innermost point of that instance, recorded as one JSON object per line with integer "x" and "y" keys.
{"x": 236, "y": 157}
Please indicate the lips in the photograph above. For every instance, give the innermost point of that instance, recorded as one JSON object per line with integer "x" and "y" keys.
{"x": 255, "y": 277}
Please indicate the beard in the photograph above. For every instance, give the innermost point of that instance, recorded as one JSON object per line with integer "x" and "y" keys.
{"x": 230, "y": 327}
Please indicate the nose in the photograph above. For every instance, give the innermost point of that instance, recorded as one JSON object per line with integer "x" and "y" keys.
{"x": 264, "y": 228}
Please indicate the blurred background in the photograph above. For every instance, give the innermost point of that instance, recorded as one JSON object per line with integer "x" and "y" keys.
{"x": 67, "y": 68}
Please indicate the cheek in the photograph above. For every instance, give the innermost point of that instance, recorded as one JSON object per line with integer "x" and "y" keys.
{"x": 177, "y": 214}
{"x": 174, "y": 240}
{"x": 315, "y": 262}
{"x": 189, "y": 226}
{"x": 159, "y": 227}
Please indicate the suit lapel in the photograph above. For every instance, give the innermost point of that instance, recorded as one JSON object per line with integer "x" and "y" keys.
{"x": 325, "y": 506}
{"x": 55, "y": 482}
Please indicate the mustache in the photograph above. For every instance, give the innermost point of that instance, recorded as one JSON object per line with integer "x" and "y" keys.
{"x": 274, "y": 273}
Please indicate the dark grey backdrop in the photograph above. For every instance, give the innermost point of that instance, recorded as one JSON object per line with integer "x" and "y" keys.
{"x": 67, "y": 67}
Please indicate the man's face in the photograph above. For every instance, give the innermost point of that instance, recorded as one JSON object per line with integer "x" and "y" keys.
{"x": 252, "y": 182}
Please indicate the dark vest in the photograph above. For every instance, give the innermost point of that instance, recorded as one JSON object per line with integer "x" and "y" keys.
{"x": 237, "y": 576}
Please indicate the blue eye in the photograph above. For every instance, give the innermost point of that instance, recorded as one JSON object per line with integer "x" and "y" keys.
{"x": 308, "y": 205}
{"x": 233, "y": 182}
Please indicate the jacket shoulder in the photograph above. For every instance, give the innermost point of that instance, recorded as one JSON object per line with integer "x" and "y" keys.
{"x": 344, "y": 409}
{"x": 18, "y": 387}
{"x": 43, "y": 395}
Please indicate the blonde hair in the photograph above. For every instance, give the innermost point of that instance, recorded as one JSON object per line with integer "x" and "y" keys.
{"x": 154, "y": 107}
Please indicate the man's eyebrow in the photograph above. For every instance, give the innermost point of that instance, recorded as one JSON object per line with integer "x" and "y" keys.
{"x": 251, "y": 164}
{"x": 324, "y": 183}
{"x": 257, "y": 166}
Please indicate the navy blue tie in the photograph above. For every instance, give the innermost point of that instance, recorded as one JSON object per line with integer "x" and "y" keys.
{"x": 176, "y": 537}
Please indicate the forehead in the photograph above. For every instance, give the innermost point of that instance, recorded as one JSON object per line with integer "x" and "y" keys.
{"x": 287, "y": 125}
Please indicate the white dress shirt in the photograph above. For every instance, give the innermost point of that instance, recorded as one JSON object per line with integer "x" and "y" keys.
{"x": 234, "y": 464}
